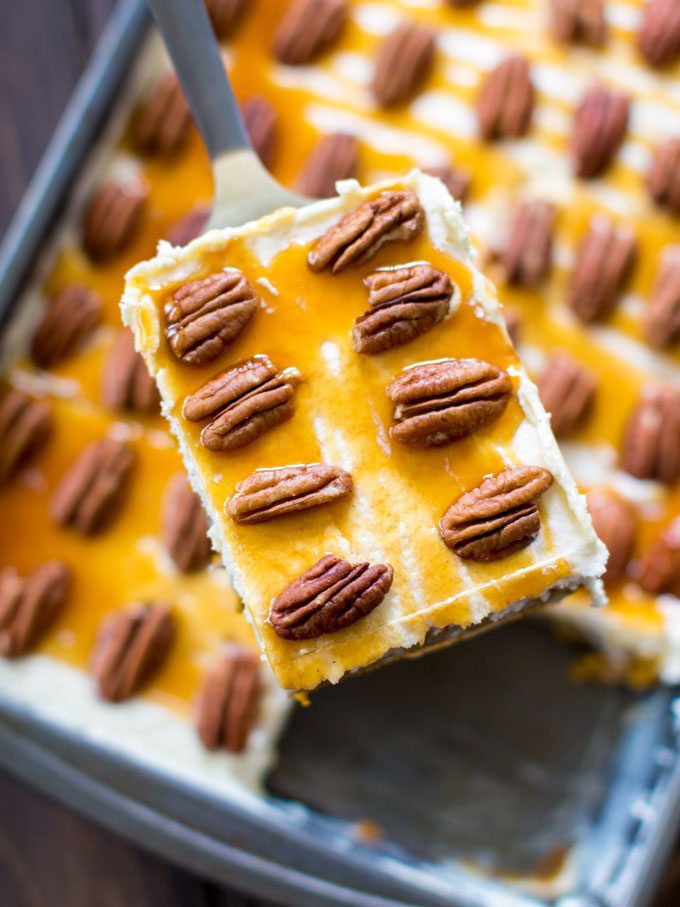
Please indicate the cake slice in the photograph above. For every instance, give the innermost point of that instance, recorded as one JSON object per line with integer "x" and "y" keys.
{"x": 379, "y": 473}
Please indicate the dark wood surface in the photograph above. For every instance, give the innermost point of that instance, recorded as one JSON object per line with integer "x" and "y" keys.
{"x": 48, "y": 856}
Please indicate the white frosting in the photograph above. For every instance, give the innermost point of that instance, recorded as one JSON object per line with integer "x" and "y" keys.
{"x": 149, "y": 733}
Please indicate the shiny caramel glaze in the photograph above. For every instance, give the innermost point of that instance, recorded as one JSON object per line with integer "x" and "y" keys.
{"x": 497, "y": 180}
{"x": 342, "y": 417}
{"x": 334, "y": 94}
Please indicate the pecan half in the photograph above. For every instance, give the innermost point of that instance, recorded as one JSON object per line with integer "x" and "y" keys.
{"x": 25, "y": 426}
{"x": 440, "y": 402}
{"x": 259, "y": 118}
{"x": 662, "y": 322}
{"x": 224, "y": 15}
{"x": 307, "y": 29}
{"x": 457, "y": 181}
{"x": 190, "y": 226}
{"x": 162, "y": 121}
{"x": 405, "y": 59}
{"x": 659, "y": 34}
{"x": 112, "y": 218}
{"x": 566, "y": 390}
{"x": 651, "y": 446}
{"x": 205, "y": 315}
{"x": 270, "y": 493}
{"x": 70, "y": 318}
{"x": 127, "y": 385}
{"x": 242, "y": 403}
{"x": 498, "y": 517}
{"x": 334, "y": 157}
{"x": 614, "y": 522}
{"x": 331, "y": 595}
{"x": 405, "y": 302}
{"x": 599, "y": 127}
{"x": 604, "y": 261}
{"x": 228, "y": 700}
{"x": 574, "y": 21}
{"x": 92, "y": 491}
{"x": 658, "y": 571}
{"x": 184, "y": 526}
{"x": 506, "y": 101}
{"x": 389, "y": 217}
{"x": 28, "y": 607}
{"x": 527, "y": 256}
{"x": 130, "y": 648}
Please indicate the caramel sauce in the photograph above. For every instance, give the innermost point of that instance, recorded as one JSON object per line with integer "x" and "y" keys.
{"x": 546, "y": 322}
{"x": 343, "y": 416}
{"x": 112, "y": 569}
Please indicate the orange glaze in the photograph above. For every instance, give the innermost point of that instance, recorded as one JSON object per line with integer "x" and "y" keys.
{"x": 176, "y": 185}
{"x": 496, "y": 176}
{"x": 122, "y": 564}
{"x": 343, "y": 410}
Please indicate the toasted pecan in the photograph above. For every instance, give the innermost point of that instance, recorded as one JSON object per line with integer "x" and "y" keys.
{"x": 663, "y": 175}
{"x": 456, "y": 180}
{"x": 439, "y": 402}
{"x": 604, "y": 261}
{"x": 574, "y": 21}
{"x": 25, "y": 426}
{"x": 527, "y": 255}
{"x": 331, "y": 595}
{"x": 28, "y": 607}
{"x": 651, "y": 446}
{"x": 243, "y": 402}
{"x": 334, "y": 157}
{"x": 600, "y": 125}
{"x": 405, "y": 303}
{"x": 127, "y": 385}
{"x": 227, "y": 702}
{"x": 190, "y": 226}
{"x": 130, "y": 648}
{"x": 162, "y": 121}
{"x": 506, "y": 101}
{"x": 566, "y": 390}
{"x": 112, "y": 219}
{"x": 204, "y": 316}
{"x": 93, "y": 489}
{"x": 391, "y": 216}
{"x": 307, "y": 29}
{"x": 658, "y": 571}
{"x": 662, "y": 322}
{"x": 405, "y": 59}
{"x": 498, "y": 517}
{"x": 614, "y": 522}
{"x": 269, "y": 493}
{"x": 225, "y": 14}
{"x": 70, "y": 318}
{"x": 659, "y": 33}
{"x": 259, "y": 118}
{"x": 184, "y": 526}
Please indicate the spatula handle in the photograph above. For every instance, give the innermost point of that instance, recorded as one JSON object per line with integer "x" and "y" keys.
{"x": 195, "y": 54}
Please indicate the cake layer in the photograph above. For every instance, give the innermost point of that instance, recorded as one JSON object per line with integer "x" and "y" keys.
{"x": 367, "y": 415}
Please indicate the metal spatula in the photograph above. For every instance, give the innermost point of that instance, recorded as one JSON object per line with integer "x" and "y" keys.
{"x": 244, "y": 190}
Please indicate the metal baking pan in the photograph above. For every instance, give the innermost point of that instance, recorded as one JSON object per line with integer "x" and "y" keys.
{"x": 486, "y": 771}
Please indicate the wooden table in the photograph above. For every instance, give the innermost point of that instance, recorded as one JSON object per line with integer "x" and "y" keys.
{"x": 48, "y": 856}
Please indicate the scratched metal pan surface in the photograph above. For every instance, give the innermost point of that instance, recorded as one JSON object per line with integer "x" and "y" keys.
{"x": 493, "y": 780}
